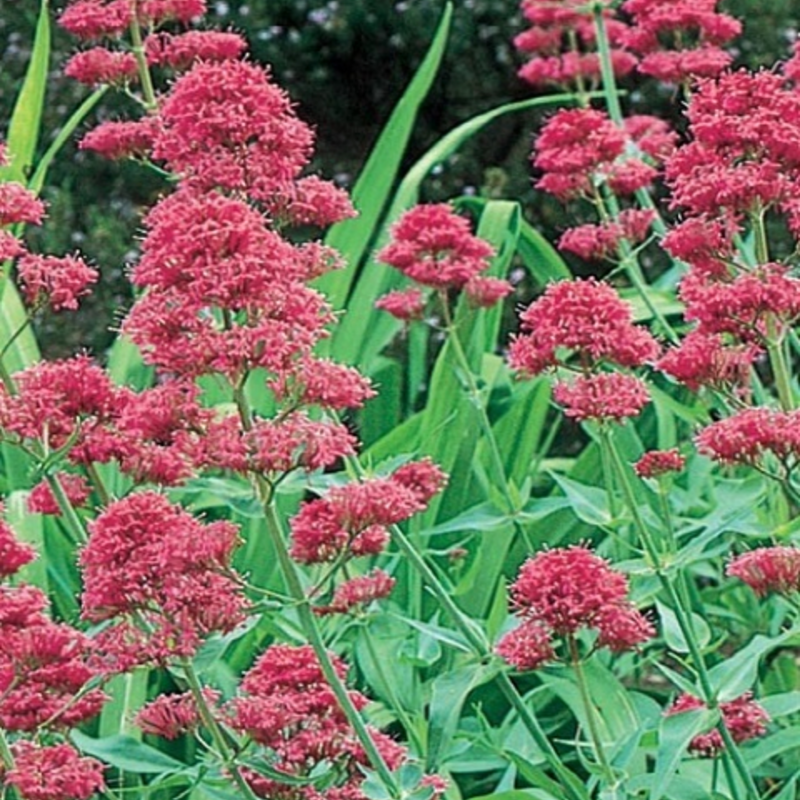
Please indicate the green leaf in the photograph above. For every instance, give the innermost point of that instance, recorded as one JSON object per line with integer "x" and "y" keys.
{"x": 673, "y": 635}
{"x": 127, "y": 754}
{"x": 76, "y": 118}
{"x": 737, "y": 674}
{"x": 128, "y": 693}
{"x": 784, "y": 741}
{"x": 675, "y": 733}
{"x": 540, "y": 257}
{"x": 589, "y": 503}
{"x": 448, "y": 695}
{"x": 26, "y": 118}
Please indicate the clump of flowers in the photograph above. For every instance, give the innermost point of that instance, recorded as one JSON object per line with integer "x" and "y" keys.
{"x": 287, "y": 706}
{"x": 584, "y": 325}
{"x": 768, "y": 569}
{"x": 353, "y": 519}
{"x": 161, "y": 576}
{"x": 559, "y": 593}
{"x": 576, "y": 66}
{"x": 744, "y": 718}
{"x": 57, "y": 772}
{"x": 655, "y": 463}
{"x": 678, "y": 40}
{"x": 434, "y": 247}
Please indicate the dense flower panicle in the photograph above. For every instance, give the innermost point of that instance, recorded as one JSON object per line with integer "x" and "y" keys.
{"x": 526, "y": 647}
{"x": 655, "y": 463}
{"x": 358, "y": 592}
{"x": 44, "y": 670}
{"x": 13, "y": 553}
{"x": 155, "y": 12}
{"x": 603, "y": 396}
{"x": 20, "y": 607}
{"x": 149, "y": 558}
{"x": 288, "y": 706}
{"x": 309, "y": 201}
{"x": 585, "y": 316}
{"x": 748, "y": 435}
{"x": 57, "y": 772}
{"x": 561, "y": 591}
{"x": 19, "y": 205}
{"x": 56, "y": 399}
{"x": 703, "y": 359}
{"x": 485, "y": 292}
{"x": 354, "y": 517}
{"x": 95, "y": 19}
{"x": 574, "y": 144}
{"x": 602, "y": 241}
{"x": 405, "y": 304}
{"x": 320, "y": 381}
{"x": 742, "y": 306}
{"x": 59, "y": 282}
{"x": 744, "y": 718}
{"x": 679, "y": 39}
{"x": 433, "y": 245}
{"x": 100, "y": 65}
{"x": 118, "y": 140}
{"x": 172, "y": 715}
{"x": 179, "y": 51}
{"x": 551, "y": 23}
{"x": 768, "y": 569}
{"x": 225, "y": 124}
{"x": 10, "y": 246}
{"x": 704, "y": 243}
{"x": 42, "y": 501}
{"x": 744, "y": 156}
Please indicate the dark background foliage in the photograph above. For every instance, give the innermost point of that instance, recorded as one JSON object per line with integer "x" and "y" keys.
{"x": 345, "y": 63}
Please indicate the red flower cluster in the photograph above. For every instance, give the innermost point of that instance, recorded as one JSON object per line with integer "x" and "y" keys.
{"x": 585, "y": 322}
{"x": 743, "y": 717}
{"x": 433, "y": 246}
{"x": 288, "y": 707}
{"x": 162, "y": 576}
{"x": 172, "y": 715}
{"x": 561, "y": 591}
{"x": 768, "y": 569}
{"x": 96, "y": 19}
{"x": 655, "y": 463}
{"x": 553, "y": 22}
{"x": 356, "y": 593}
{"x": 599, "y": 242}
{"x": 748, "y": 435}
{"x": 580, "y": 147}
{"x": 355, "y": 517}
{"x": 679, "y": 40}
{"x": 57, "y": 772}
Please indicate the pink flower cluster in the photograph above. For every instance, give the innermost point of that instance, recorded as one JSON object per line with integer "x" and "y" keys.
{"x": 768, "y": 569}
{"x": 655, "y": 463}
{"x": 46, "y": 678}
{"x": 744, "y": 718}
{"x": 162, "y": 577}
{"x": 57, "y": 282}
{"x": 353, "y": 520}
{"x": 433, "y": 246}
{"x": 587, "y": 324}
{"x": 561, "y": 591}
{"x": 679, "y": 40}
{"x": 288, "y": 707}
{"x": 578, "y": 66}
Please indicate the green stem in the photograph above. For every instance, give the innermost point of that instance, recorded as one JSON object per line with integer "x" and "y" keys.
{"x": 150, "y": 102}
{"x": 397, "y": 704}
{"x": 591, "y": 719}
{"x": 780, "y": 370}
{"x": 481, "y": 648}
{"x": 7, "y": 380}
{"x": 97, "y": 483}
{"x": 213, "y": 727}
{"x": 71, "y": 517}
{"x": 683, "y": 617}
{"x": 312, "y": 631}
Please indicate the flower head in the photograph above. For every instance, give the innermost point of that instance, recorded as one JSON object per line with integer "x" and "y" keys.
{"x": 768, "y": 569}
{"x": 57, "y": 772}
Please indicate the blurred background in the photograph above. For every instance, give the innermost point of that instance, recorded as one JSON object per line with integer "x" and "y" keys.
{"x": 345, "y": 63}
